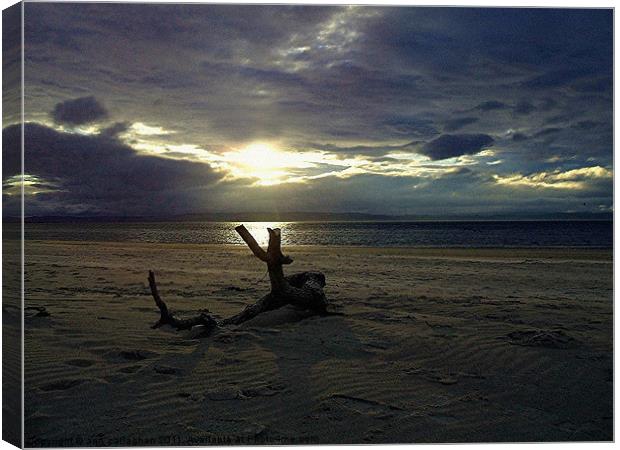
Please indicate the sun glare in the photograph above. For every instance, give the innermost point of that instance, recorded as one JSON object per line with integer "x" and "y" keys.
{"x": 259, "y": 231}
{"x": 265, "y": 163}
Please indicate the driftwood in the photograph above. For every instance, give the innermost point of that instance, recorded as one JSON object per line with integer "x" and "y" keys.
{"x": 303, "y": 290}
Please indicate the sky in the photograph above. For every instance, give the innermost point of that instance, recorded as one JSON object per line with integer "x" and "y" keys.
{"x": 153, "y": 109}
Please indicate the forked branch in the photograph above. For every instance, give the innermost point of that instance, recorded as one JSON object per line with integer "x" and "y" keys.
{"x": 303, "y": 290}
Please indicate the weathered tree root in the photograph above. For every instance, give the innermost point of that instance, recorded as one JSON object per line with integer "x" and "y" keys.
{"x": 303, "y": 290}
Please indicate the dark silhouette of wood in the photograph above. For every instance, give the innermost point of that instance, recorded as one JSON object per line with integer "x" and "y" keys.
{"x": 303, "y": 290}
{"x": 167, "y": 318}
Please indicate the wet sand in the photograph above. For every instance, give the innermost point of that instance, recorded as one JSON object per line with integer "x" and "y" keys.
{"x": 434, "y": 345}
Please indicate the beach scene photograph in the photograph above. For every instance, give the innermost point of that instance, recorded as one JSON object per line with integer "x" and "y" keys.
{"x": 305, "y": 224}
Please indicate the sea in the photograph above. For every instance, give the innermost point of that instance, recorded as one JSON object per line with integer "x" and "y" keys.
{"x": 465, "y": 234}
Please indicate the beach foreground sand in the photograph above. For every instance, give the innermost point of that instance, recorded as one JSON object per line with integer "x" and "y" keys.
{"x": 434, "y": 346}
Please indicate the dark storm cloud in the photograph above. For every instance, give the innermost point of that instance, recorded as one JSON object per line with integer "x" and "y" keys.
{"x": 115, "y": 129}
{"x": 361, "y": 81}
{"x": 451, "y": 145}
{"x": 457, "y": 124}
{"x": 524, "y": 107}
{"x": 596, "y": 85}
{"x": 491, "y": 106}
{"x": 411, "y": 126}
{"x": 586, "y": 125}
{"x": 558, "y": 119}
{"x": 548, "y": 104}
{"x": 547, "y": 131}
{"x": 519, "y": 137}
{"x": 558, "y": 78}
{"x": 100, "y": 174}
{"x": 461, "y": 38}
{"x": 79, "y": 111}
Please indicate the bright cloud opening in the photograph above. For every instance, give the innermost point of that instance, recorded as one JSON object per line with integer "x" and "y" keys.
{"x": 267, "y": 163}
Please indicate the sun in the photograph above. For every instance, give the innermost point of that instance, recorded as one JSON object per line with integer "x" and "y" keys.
{"x": 262, "y": 157}
{"x": 265, "y": 162}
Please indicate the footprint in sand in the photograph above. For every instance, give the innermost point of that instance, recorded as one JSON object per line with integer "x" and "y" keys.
{"x": 136, "y": 355}
{"x": 260, "y": 391}
{"x": 166, "y": 370}
{"x": 225, "y": 393}
{"x": 374, "y": 434}
{"x": 38, "y": 421}
{"x": 364, "y": 406}
{"x": 434, "y": 376}
{"x": 227, "y": 361}
{"x": 442, "y": 418}
{"x": 80, "y": 362}
{"x": 130, "y": 369}
{"x": 61, "y": 385}
{"x": 188, "y": 343}
{"x": 542, "y": 338}
{"x": 228, "y": 427}
{"x": 140, "y": 309}
{"x": 191, "y": 396}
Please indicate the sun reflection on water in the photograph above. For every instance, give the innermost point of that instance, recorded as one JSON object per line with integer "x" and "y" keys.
{"x": 259, "y": 230}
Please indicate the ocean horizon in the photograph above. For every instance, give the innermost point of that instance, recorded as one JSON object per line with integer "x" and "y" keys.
{"x": 465, "y": 234}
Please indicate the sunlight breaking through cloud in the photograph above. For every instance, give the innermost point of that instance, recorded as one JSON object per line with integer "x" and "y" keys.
{"x": 572, "y": 179}
{"x": 385, "y": 106}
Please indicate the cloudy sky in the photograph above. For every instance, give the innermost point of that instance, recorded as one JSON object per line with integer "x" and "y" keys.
{"x": 149, "y": 109}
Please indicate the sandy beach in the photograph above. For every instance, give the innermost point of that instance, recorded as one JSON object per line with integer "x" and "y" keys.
{"x": 434, "y": 345}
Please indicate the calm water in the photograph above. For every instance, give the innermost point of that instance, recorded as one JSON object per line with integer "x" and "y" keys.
{"x": 373, "y": 234}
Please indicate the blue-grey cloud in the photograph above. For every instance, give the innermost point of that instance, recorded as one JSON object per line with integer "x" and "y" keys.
{"x": 547, "y": 131}
{"x": 519, "y": 137}
{"x": 457, "y": 124}
{"x": 451, "y": 145}
{"x": 412, "y": 127}
{"x": 491, "y": 105}
{"x": 524, "y": 107}
{"x": 79, "y": 111}
{"x": 561, "y": 77}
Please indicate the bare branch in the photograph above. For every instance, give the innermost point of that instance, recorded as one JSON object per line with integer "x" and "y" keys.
{"x": 168, "y": 319}
{"x": 165, "y": 315}
{"x": 249, "y": 239}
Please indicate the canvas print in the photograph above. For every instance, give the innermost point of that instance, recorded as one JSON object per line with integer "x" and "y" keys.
{"x": 230, "y": 224}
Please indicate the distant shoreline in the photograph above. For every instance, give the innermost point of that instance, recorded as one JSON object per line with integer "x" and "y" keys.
{"x": 37, "y": 221}
{"x": 313, "y": 218}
